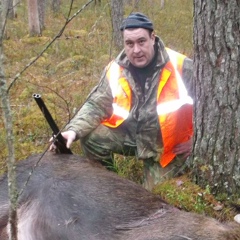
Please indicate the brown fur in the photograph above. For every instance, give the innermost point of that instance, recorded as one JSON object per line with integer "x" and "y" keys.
{"x": 72, "y": 198}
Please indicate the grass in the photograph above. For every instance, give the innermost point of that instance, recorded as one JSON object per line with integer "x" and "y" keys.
{"x": 68, "y": 70}
{"x": 184, "y": 194}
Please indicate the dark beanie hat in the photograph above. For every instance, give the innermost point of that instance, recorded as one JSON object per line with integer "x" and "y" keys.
{"x": 136, "y": 20}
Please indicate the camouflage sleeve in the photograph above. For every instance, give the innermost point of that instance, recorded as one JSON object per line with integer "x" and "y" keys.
{"x": 187, "y": 74}
{"x": 97, "y": 107}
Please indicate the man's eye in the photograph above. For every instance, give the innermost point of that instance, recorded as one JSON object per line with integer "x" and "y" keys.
{"x": 141, "y": 42}
{"x": 129, "y": 44}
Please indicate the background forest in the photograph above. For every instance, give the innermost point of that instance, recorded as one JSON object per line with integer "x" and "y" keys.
{"x": 67, "y": 71}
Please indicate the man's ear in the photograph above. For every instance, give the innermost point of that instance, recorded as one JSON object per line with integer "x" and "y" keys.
{"x": 153, "y": 36}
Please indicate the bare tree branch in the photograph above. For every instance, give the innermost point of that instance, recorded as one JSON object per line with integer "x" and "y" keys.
{"x": 68, "y": 20}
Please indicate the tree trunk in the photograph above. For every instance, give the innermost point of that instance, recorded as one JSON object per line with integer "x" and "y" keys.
{"x": 117, "y": 18}
{"x": 56, "y": 5}
{"x": 9, "y": 6}
{"x": 216, "y": 155}
{"x": 41, "y": 13}
{"x": 33, "y": 18}
{"x": 162, "y": 4}
{"x": 7, "y": 114}
{"x": 15, "y": 7}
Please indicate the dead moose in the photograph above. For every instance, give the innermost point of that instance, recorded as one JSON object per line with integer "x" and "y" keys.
{"x": 73, "y": 198}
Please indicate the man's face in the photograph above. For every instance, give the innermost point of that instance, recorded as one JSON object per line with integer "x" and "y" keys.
{"x": 139, "y": 46}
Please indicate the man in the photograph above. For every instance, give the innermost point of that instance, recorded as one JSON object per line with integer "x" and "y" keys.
{"x": 140, "y": 107}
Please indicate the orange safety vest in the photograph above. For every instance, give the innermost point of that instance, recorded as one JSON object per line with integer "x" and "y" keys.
{"x": 174, "y": 106}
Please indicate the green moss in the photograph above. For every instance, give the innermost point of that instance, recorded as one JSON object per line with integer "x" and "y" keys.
{"x": 129, "y": 167}
{"x": 184, "y": 194}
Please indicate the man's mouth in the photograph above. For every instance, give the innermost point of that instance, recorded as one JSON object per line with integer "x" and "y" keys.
{"x": 140, "y": 57}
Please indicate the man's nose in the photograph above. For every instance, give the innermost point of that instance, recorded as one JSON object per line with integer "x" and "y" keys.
{"x": 136, "y": 48}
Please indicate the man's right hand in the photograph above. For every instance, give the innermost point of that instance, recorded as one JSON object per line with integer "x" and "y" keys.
{"x": 69, "y": 135}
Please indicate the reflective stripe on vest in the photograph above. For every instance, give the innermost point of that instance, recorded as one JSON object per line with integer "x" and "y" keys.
{"x": 122, "y": 96}
{"x": 174, "y": 107}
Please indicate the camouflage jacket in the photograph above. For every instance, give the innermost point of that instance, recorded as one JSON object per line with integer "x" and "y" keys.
{"x": 142, "y": 126}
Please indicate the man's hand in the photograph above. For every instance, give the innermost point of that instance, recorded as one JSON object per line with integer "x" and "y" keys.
{"x": 70, "y": 136}
{"x": 184, "y": 148}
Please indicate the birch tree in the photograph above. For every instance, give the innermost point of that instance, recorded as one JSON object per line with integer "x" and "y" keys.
{"x": 117, "y": 17}
{"x": 33, "y": 18}
{"x": 217, "y": 95}
{"x": 15, "y": 7}
{"x": 41, "y": 13}
{"x": 162, "y": 4}
{"x": 7, "y": 115}
{"x": 8, "y": 7}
